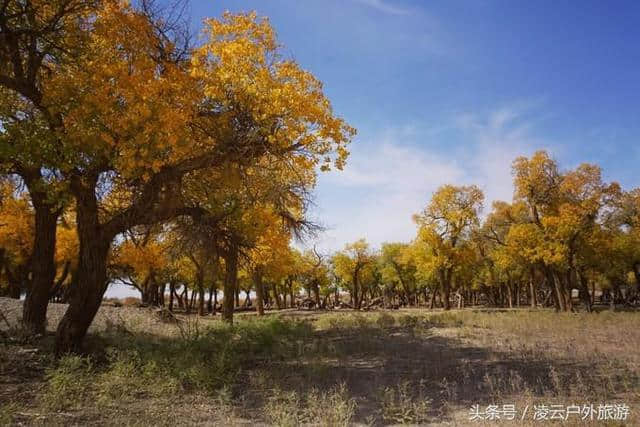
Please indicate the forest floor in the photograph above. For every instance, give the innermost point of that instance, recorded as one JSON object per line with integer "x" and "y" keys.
{"x": 408, "y": 366}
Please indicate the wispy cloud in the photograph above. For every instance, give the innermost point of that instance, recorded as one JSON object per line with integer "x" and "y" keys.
{"x": 384, "y": 7}
{"x": 388, "y": 180}
{"x": 496, "y": 138}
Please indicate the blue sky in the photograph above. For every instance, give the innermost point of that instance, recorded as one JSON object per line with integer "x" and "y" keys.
{"x": 451, "y": 91}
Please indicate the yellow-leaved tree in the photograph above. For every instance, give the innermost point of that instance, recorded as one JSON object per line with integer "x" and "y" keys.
{"x": 445, "y": 227}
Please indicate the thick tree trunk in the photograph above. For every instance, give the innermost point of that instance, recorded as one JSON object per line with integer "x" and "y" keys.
{"x": 584, "y": 293}
{"x": 145, "y": 297}
{"x": 210, "y": 301}
{"x": 230, "y": 283}
{"x": 90, "y": 281}
{"x": 43, "y": 269}
{"x": 257, "y": 281}
{"x": 89, "y": 288}
{"x": 446, "y": 289}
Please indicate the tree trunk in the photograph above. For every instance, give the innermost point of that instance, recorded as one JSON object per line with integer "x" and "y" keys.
{"x": 230, "y": 282}
{"x": 276, "y": 296}
{"x": 201, "y": 299}
{"x": 446, "y": 289}
{"x": 532, "y": 293}
{"x": 145, "y": 294}
{"x": 584, "y": 293}
{"x": 161, "y": 290}
{"x": 210, "y": 301}
{"x": 185, "y": 298}
{"x": 43, "y": 268}
{"x": 56, "y": 293}
{"x": 89, "y": 288}
{"x": 432, "y": 304}
{"x": 316, "y": 292}
{"x": 90, "y": 281}
{"x": 257, "y": 281}
{"x": 192, "y": 300}
{"x": 556, "y": 287}
{"x": 172, "y": 290}
{"x": 355, "y": 295}
{"x": 291, "y": 294}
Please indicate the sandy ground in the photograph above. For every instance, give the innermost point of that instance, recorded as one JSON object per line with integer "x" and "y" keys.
{"x": 135, "y": 318}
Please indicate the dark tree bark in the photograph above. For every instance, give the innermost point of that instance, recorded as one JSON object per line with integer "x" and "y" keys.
{"x": 185, "y": 298}
{"x": 584, "y": 293}
{"x": 201, "y": 301}
{"x": 172, "y": 291}
{"x": 445, "y": 277}
{"x": 257, "y": 281}
{"x": 230, "y": 282}
{"x": 55, "y": 293}
{"x": 210, "y": 300}
{"x": 43, "y": 268}
{"x": 90, "y": 281}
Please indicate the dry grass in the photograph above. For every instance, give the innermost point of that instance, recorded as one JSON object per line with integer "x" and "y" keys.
{"x": 339, "y": 368}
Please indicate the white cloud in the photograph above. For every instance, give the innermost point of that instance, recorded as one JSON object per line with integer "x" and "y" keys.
{"x": 384, "y": 7}
{"x": 497, "y": 138}
{"x": 390, "y": 182}
{"x": 386, "y": 181}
